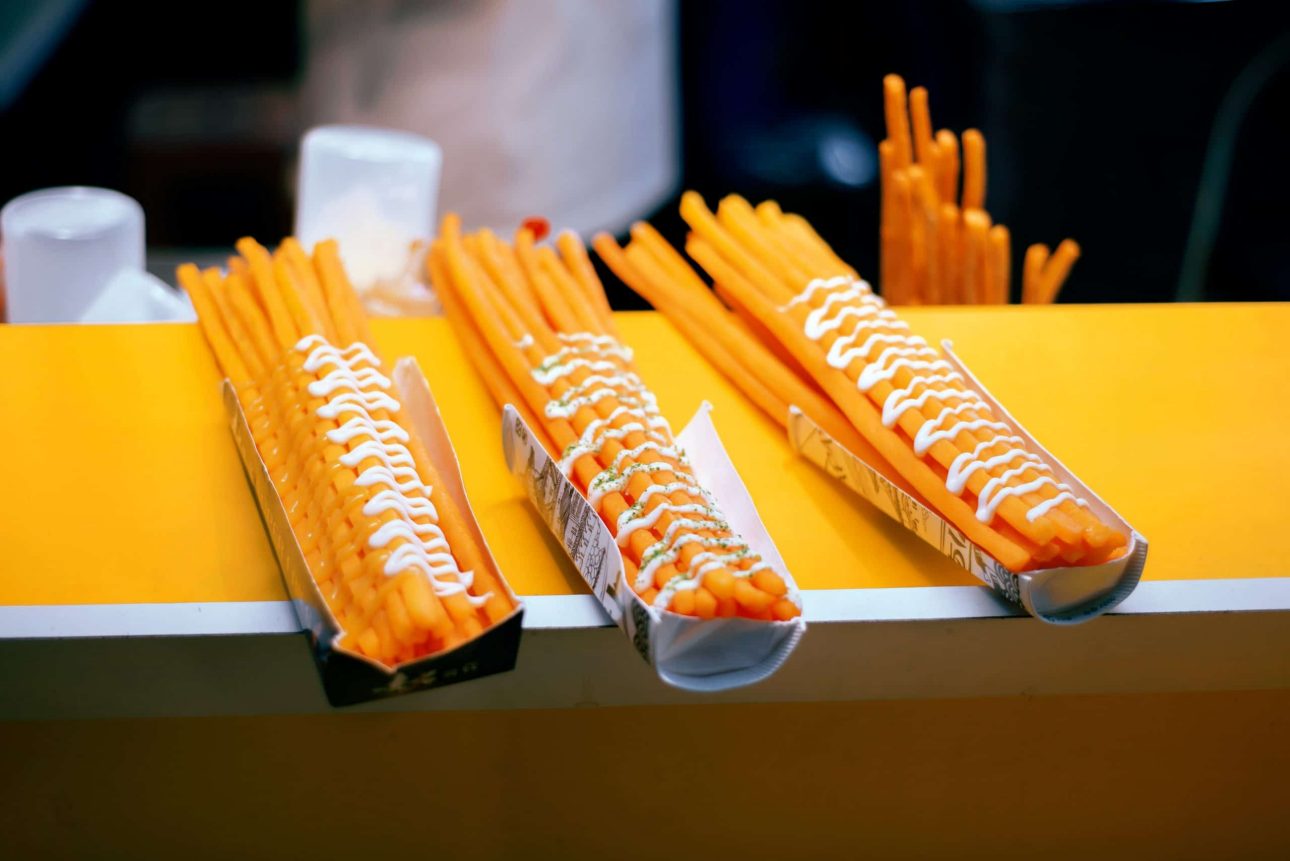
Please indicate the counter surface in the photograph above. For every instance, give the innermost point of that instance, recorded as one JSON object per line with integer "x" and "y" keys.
{"x": 124, "y": 486}
{"x": 128, "y": 514}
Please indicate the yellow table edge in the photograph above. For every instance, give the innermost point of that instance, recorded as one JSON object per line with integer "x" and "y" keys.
{"x": 137, "y": 394}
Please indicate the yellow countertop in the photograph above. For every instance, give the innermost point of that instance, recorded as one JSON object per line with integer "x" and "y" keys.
{"x": 124, "y": 485}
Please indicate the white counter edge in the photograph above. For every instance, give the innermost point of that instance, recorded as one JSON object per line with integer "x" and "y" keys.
{"x": 581, "y": 611}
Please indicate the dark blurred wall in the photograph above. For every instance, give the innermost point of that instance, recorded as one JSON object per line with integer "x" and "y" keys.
{"x": 202, "y": 172}
{"x": 1098, "y": 118}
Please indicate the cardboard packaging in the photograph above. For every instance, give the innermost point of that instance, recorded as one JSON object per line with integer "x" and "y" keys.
{"x": 687, "y": 653}
{"x": 347, "y": 677}
{"x": 1061, "y": 595}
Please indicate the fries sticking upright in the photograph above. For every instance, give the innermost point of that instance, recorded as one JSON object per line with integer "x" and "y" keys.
{"x": 393, "y": 558}
{"x": 536, "y": 324}
{"x": 939, "y": 247}
{"x": 932, "y": 428}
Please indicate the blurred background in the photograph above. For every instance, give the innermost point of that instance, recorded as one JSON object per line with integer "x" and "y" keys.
{"x": 1152, "y": 132}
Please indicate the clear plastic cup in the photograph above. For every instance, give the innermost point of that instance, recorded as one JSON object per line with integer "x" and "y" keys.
{"x": 62, "y": 246}
{"x": 372, "y": 189}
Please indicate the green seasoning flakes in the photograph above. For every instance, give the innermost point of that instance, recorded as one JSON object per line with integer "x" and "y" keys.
{"x": 653, "y": 554}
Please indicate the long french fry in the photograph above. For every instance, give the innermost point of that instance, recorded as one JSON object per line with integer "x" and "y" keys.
{"x": 976, "y": 228}
{"x": 920, "y": 273}
{"x": 973, "y": 170}
{"x": 1056, "y": 270}
{"x": 931, "y": 289}
{"x": 1032, "y": 273}
{"x": 950, "y": 235}
{"x": 897, "y": 113}
{"x": 495, "y": 379}
{"x": 925, "y": 148}
{"x": 891, "y": 248}
{"x": 899, "y": 290}
{"x": 947, "y": 144}
{"x": 1000, "y": 246}
{"x": 574, "y": 254}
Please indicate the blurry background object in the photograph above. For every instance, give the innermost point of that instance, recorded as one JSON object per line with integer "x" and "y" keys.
{"x": 559, "y": 108}
{"x": 1249, "y": 246}
{"x": 29, "y": 33}
{"x": 938, "y": 243}
{"x": 1100, "y": 116}
{"x": 76, "y": 255}
{"x": 197, "y": 125}
{"x": 374, "y": 190}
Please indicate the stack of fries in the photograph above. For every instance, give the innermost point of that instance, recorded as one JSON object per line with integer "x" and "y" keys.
{"x": 538, "y": 328}
{"x": 805, "y": 328}
{"x": 935, "y": 251}
{"x": 394, "y": 560}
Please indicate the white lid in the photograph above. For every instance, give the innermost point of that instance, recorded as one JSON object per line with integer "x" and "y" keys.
{"x": 372, "y": 189}
{"x": 63, "y": 245}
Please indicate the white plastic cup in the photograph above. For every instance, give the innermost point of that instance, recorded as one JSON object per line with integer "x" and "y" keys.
{"x": 372, "y": 189}
{"x": 61, "y": 248}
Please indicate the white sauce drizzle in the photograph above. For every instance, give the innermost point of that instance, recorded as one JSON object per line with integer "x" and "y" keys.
{"x": 881, "y": 320}
{"x": 390, "y": 500}
{"x": 630, "y": 522}
{"x": 822, "y": 284}
{"x": 634, "y": 453}
{"x": 928, "y": 436}
{"x": 572, "y": 400}
{"x": 354, "y": 386}
{"x": 707, "y": 561}
{"x": 555, "y": 372}
{"x": 581, "y": 448}
{"x": 639, "y": 407}
{"x": 381, "y": 429}
{"x": 608, "y": 482}
{"x": 660, "y": 553}
{"x": 899, "y": 402}
{"x": 956, "y": 482}
{"x": 816, "y": 321}
{"x": 848, "y": 299}
{"x": 1048, "y": 504}
{"x": 607, "y": 351}
{"x": 600, "y": 341}
{"x": 987, "y": 503}
{"x": 595, "y": 434}
{"x": 673, "y": 487}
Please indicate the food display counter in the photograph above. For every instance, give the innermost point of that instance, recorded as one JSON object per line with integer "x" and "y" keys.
{"x": 133, "y": 541}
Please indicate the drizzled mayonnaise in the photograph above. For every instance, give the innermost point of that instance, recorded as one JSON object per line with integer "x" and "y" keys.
{"x": 818, "y": 284}
{"x": 354, "y": 387}
{"x": 848, "y": 299}
{"x": 632, "y": 521}
{"x": 607, "y": 375}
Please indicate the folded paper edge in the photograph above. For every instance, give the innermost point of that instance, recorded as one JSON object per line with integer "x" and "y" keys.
{"x": 1132, "y": 563}
{"x": 266, "y": 495}
{"x": 632, "y": 613}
